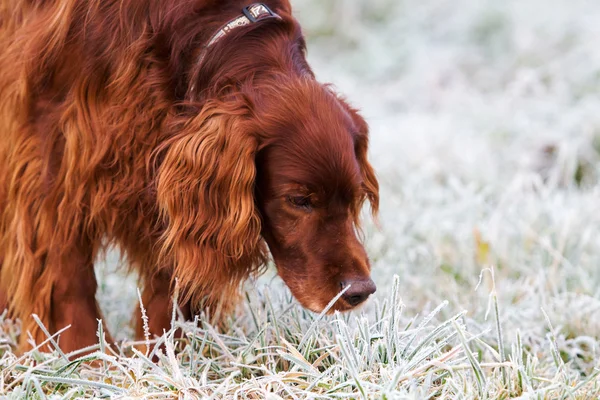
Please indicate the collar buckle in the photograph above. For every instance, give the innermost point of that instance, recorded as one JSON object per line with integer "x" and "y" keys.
{"x": 257, "y": 11}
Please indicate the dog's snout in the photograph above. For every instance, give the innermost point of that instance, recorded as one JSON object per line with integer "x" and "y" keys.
{"x": 359, "y": 291}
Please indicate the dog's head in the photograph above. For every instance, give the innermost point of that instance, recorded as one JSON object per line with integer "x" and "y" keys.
{"x": 312, "y": 179}
{"x": 286, "y": 165}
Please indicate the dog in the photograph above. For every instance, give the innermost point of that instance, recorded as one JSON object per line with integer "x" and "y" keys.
{"x": 191, "y": 134}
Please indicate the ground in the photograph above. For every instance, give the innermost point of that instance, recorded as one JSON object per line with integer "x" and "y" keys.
{"x": 485, "y": 126}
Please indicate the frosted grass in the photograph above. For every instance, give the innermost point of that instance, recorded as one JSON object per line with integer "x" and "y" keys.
{"x": 486, "y": 138}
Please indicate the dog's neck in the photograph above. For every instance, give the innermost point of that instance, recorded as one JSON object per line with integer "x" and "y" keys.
{"x": 250, "y": 14}
{"x": 258, "y": 52}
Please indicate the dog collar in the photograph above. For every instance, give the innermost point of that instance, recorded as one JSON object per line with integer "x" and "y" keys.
{"x": 250, "y": 14}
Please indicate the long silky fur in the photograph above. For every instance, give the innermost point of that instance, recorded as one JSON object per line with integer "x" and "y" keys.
{"x": 88, "y": 93}
{"x": 102, "y": 145}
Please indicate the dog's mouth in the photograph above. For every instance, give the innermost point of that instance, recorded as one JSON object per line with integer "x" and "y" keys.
{"x": 342, "y": 303}
{"x": 343, "y": 306}
{"x": 328, "y": 293}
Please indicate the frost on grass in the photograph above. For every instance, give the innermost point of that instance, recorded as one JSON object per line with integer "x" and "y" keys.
{"x": 485, "y": 132}
{"x": 275, "y": 349}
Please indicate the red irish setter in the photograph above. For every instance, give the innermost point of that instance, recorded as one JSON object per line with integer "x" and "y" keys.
{"x": 191, "y": 134}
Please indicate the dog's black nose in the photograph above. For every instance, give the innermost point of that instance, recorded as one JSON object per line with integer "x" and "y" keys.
{"x": 359, "y": 290}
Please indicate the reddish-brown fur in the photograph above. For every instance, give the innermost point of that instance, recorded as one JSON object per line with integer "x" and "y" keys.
{"x": 105, "y": 142}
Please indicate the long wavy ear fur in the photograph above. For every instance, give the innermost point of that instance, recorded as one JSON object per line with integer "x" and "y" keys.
{"x": 205, "y": 191}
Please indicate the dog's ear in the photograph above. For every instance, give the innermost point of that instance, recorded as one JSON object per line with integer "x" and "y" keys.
{"x": 205, "y": 192}
{"x": 361, "y": 147}
{"x": 370, "y": 182}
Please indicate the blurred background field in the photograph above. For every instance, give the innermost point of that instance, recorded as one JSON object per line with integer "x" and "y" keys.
{"x": 485, "y": 134}
{"x": 485, "y": 124}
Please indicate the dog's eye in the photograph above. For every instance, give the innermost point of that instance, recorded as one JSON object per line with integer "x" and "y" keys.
{"x": 300, "y": 201}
